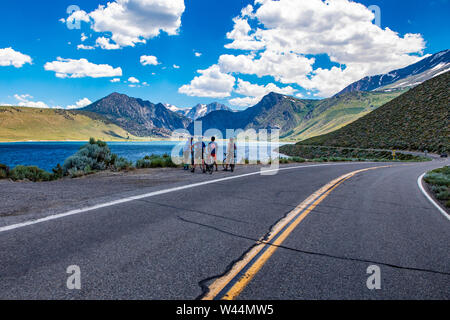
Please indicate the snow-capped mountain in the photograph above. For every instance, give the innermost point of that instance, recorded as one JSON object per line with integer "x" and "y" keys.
{"x": 173, "y": 108}
{"x": 199, "y": 110}
{"x": 196, "y": 112}
{"x": 202, "y": 110}
{"x": 408, "y": 77}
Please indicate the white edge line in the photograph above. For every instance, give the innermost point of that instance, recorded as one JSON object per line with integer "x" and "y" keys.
{"x": 152, "y": 194}
{"x": 420, "y": 184}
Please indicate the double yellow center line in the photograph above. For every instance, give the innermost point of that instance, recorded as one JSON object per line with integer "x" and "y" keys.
{"x": 231, "y": 285}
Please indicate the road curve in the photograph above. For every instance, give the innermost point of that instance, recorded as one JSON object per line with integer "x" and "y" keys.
{"x": 175, "y": 245}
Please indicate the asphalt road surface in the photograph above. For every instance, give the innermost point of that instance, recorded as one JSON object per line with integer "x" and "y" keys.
{"x": 175, "y": 245}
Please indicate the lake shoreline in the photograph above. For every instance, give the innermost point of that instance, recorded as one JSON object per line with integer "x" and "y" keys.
{"x": 47, "y": 154}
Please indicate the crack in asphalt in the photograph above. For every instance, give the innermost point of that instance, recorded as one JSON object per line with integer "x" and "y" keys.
{"x": 203, "y": 283}
{"x": 193, "y": 210}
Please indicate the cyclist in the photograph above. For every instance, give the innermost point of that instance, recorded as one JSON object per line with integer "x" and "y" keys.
{"x": 231, "y": 155}
{"x": 187, "y": 150}
{"x": 199, "y": 155}
{"x": 212, "y": 148}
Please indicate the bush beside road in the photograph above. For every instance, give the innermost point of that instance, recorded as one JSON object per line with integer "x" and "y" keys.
{"x": 96, "y": 156}
{"x": 322, "y": 154}
{"x": 438, "y": 181}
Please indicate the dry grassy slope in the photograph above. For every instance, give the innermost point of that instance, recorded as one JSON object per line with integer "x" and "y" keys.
{"x": 23, "y": 124}
{"x": 416, "y": 120}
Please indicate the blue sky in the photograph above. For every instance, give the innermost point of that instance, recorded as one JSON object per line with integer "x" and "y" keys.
{"x": 263, "y": 52}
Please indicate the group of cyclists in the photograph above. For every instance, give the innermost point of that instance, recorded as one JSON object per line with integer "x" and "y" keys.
{"x": 198, "y": 154}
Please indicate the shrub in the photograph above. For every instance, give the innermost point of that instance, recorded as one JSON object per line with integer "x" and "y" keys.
{"x": 438, "y": 178}
{"x": 4, "y": 171}
{"x": 75, "y": 173}
{"x": 78, "y": 162}
{"x": 443, "y": 195}
{"x": 439, "y": 181}
{"x": 143, "y": 163}
{"x": 94, "y": 156}
{"x": 30, "y": 173}
{"x": 122, "y": 164}
{"x": 156, "y": 161}
{"x": 343, "y": 154}
{"x": 99, "y": 153}
{"x": 298, "y": 159}
{"x": 58, "y": 172}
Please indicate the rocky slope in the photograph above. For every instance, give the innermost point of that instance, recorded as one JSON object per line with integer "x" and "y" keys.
{"x": 139, "y": 117}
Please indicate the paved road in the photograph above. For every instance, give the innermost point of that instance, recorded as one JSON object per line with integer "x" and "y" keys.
{"x": 175, "y": 245}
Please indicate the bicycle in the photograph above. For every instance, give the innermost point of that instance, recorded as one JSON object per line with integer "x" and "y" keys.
{"x": 225, "y": 165}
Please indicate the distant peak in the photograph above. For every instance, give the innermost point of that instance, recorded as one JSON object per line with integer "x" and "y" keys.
{"x": 116, "y": 94}
{"x": 273, "y": 95}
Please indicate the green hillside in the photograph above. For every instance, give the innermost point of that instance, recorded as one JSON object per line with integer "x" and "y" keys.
{"x": 416, "y": 120}
{"x": 24, "y": 124}
{"x": 336, "y": 112}
{"x": 298, "y": 118}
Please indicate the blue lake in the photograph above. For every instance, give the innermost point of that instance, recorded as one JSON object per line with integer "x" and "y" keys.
{"x": 47, "y": 155}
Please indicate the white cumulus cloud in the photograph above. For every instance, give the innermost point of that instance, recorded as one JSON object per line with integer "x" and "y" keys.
{"x": 80, "y": 104}
{"x": 211, "y": 83}
{"x": 282, "y": 37}
{"x": 249, "y": 89}
{"x": 244, "y": 102}
{"x": 10, "y": 57}
{"x": 24, "y": 101}
{"x": 149, "y": 60}
{"x": 133, "y": 80}
{"x": 70, "y": 68}
{"x": 134, "y": 21}
{"x": 77, "y": 16}
{"x": 106, "y": 44}
{"x": 284, "y": 67}
{"x": 84, "y": 47}
{"x": 256, "y": 92}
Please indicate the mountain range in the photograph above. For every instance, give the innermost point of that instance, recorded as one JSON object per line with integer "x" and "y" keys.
{"x": 139, "y": 117}
{"x": 301, "y": 119}
{"x": 200, "y": 110}
{"x": 297, "y": 119}
{"x": 274, "y": 111}
{"x": 416, "y": 120}
{"x": 407, "y": 77}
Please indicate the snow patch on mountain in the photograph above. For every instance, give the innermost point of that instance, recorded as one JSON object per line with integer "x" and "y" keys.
{"x": 427, "y": 68}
